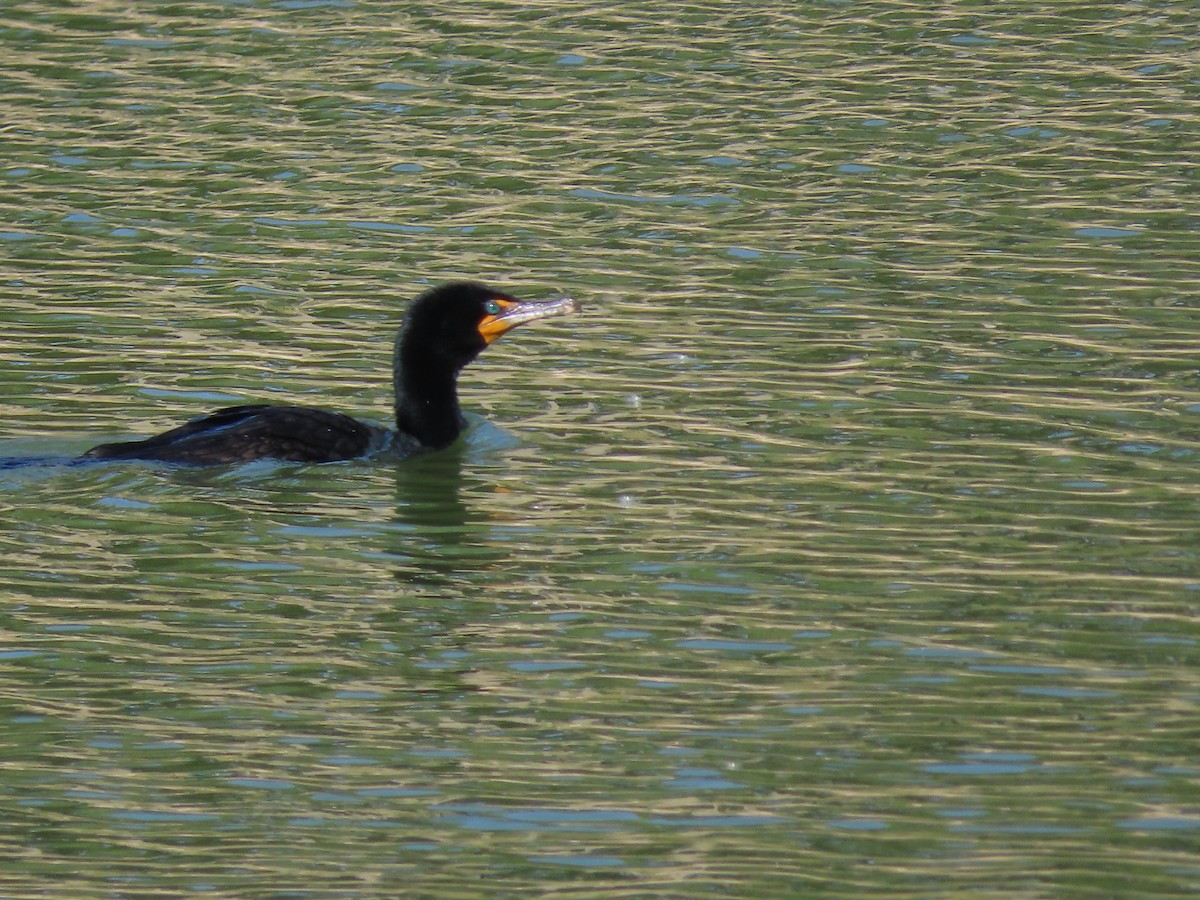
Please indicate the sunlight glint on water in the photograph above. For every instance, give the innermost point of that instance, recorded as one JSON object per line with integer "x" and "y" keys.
{"x": 845, "y": 543}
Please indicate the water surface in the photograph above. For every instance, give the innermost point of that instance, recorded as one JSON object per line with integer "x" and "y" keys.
{"x": 845, "y": 544}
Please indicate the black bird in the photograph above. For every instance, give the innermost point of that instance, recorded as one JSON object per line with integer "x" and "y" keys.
{"x": 444, "y": 329}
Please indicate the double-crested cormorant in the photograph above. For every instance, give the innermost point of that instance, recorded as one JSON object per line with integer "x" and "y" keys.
{"x": 444, "y": 329}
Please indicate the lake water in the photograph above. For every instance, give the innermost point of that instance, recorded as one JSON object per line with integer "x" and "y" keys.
{"x": 845, "y": 545}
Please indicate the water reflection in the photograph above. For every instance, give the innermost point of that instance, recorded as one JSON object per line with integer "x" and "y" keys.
{"x": 436, "y": 534}
{"x": 859, "y": 527}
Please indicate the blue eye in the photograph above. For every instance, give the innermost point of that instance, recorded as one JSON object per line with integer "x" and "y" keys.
{"x": 492, "y": 307}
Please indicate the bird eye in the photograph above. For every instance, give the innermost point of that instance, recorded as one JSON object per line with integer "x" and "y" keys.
{"x": 492, "y": 307}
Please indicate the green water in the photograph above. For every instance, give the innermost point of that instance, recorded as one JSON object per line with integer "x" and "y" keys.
{"x": 845, "y": 545}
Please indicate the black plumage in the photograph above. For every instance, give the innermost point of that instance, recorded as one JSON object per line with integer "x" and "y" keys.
{"x": 243, "y": 433}
{"x": 443, "y": 331}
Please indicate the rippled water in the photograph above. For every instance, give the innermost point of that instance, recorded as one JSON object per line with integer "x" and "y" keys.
{"x": 846, "y": 544}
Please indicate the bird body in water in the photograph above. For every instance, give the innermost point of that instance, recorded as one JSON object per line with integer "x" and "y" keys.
{"x": 443, "y": 331}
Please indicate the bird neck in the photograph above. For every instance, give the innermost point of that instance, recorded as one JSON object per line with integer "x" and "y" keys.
{"x": 426, "y": 395}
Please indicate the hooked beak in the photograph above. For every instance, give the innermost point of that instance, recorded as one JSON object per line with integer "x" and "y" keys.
{"x": 518, "y": 312}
